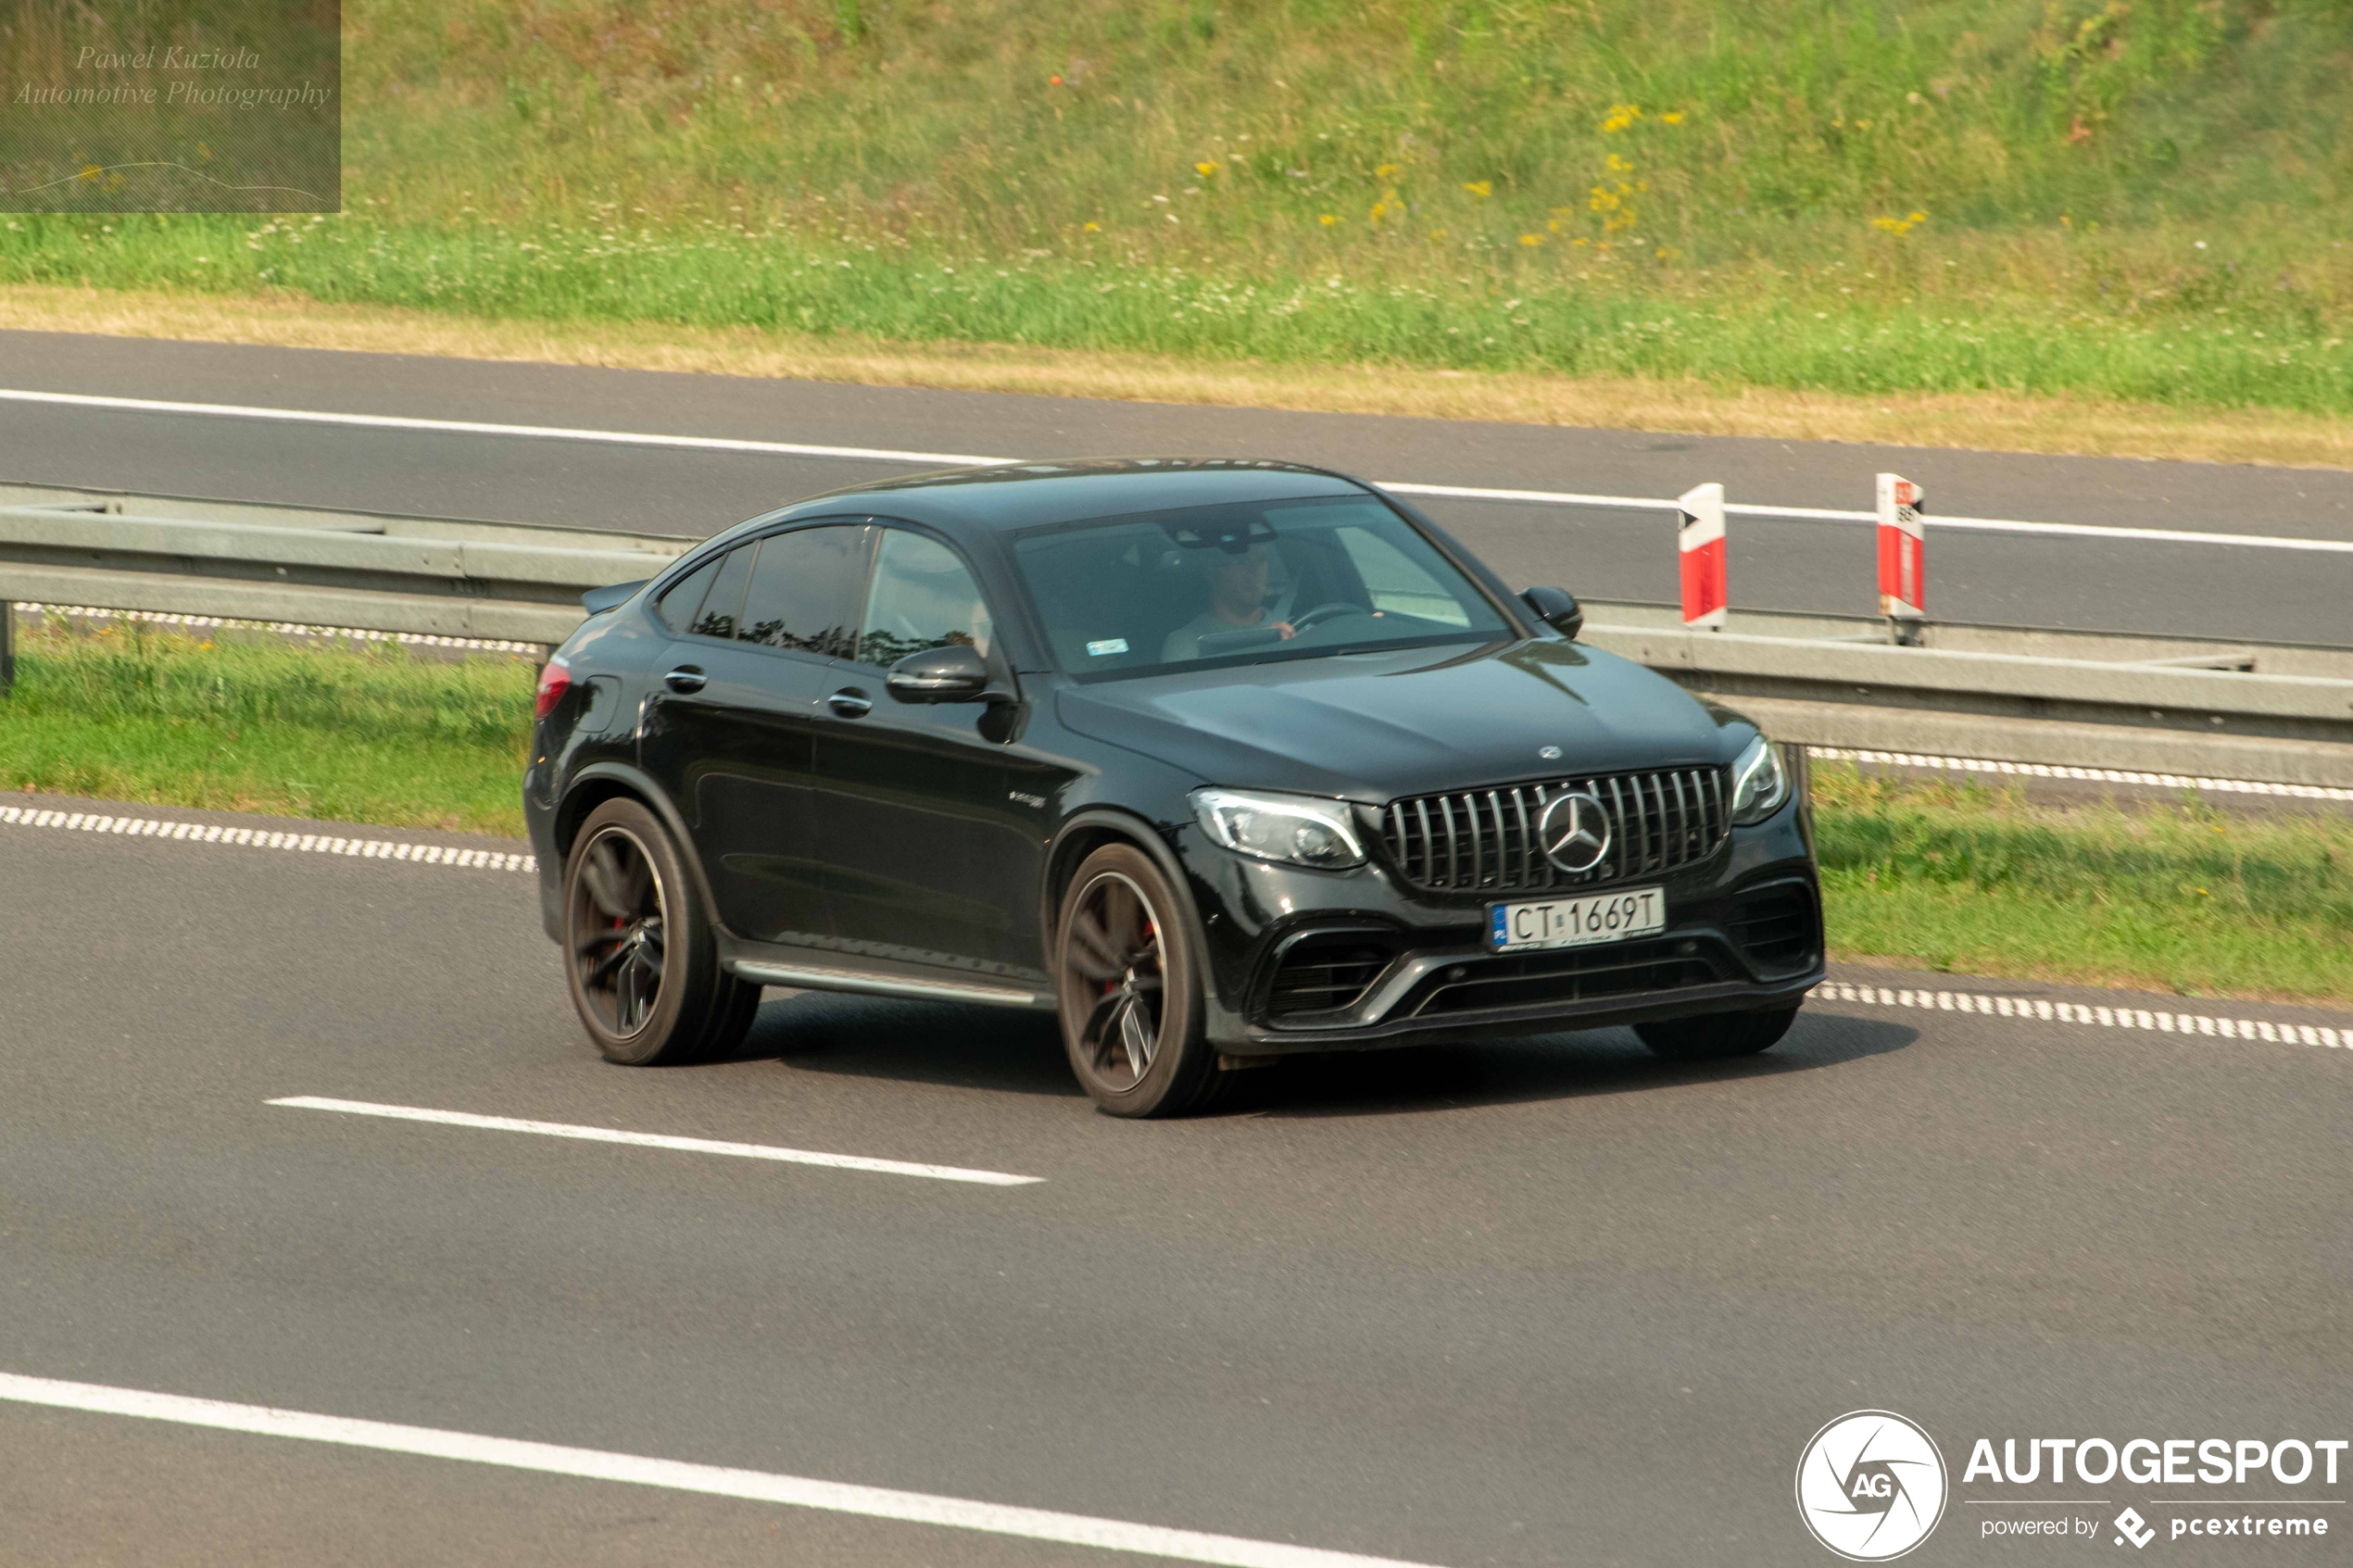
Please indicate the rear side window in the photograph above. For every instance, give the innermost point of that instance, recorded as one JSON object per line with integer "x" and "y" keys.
{"x": 922, "y": 598}
{"x": 802, "y": 588}
{"x": 722, "y": 606}
{"x": 682, "y": 601}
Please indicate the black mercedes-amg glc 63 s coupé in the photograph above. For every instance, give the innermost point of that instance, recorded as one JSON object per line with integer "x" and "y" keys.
{"x": 1215, "y": 759}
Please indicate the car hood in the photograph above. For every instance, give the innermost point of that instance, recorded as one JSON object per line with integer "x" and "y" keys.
{"x": 1372, "y": 727}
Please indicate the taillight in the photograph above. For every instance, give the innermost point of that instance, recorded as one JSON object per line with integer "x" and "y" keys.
{"x": 554, "y": 681}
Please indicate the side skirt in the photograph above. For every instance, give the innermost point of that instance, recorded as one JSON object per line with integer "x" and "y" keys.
{"x": 809, "y": 976}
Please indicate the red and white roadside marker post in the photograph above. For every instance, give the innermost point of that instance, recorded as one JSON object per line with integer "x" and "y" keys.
{"x": 1699, "y": 534}
{"x": 1903, "y": 556}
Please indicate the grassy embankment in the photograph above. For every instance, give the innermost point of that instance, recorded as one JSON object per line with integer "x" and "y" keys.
{"x": 363, "y": 734}
{"x": 2084, "y": 205}
{"x": 1957, "y": 877}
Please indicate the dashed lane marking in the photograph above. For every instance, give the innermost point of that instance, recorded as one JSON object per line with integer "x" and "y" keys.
{"x": 284, "y": 628}
{"x": 270, "y": 838}
{"x": 2205, "y": 1025}
{"x": 660, "y": 1140}
{"x": 2084, "y": 775}
{"x": 711, "y": 1480}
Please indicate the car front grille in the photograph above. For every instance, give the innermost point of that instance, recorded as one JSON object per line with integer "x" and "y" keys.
{"x": 1485, "y": 840}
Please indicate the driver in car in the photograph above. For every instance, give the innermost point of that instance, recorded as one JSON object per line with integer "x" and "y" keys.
{"x": 1237, "y": 603}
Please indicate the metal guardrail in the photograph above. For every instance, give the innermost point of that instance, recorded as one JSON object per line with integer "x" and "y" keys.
{"x": 2282, "y": 714}
{"x": 511, "y": 581}
{"x": 2276, "y": 713}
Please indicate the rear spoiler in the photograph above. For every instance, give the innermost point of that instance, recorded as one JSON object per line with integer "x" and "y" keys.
{"x": 598, "y": 600}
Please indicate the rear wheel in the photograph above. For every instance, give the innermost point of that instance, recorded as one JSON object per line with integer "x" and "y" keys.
{"x": 1128, "y": 988}
{"x": 640, "y": 954}
{"x": 1714, "y": 1035}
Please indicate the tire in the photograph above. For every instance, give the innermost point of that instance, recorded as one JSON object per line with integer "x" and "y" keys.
{"x": 731, "y": 1020}
{"x": 1127, "y": 984}
{"x": 640, "y": 957}
{"x": 1712, "y": 1035}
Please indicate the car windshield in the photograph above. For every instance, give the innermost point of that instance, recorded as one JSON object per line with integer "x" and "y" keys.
{"x": 1244, "y": 583}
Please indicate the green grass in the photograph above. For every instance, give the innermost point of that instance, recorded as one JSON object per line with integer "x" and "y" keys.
{"x": 2180, "y": 898}
{"x": 1957, "y": 877}
{"x": 2148, "y": 203}
{"x": 366, "y": 734}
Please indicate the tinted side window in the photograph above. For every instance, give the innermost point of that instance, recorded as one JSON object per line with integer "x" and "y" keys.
{"x": 922, "y": 598}
{"x": 802, "y": 589}
{"x": 682, "y": 599}
{"x": 724, "y": 603}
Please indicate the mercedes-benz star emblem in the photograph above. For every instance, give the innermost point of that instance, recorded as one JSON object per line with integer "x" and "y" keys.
{"x": 1575, "y": 832}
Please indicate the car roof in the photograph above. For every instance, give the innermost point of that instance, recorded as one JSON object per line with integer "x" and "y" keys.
{"x": 1012, "y": 495}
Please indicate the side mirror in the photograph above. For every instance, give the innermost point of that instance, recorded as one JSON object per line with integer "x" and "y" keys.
{"x": 1557, "y": 608}
{"x": 954, "y": 674}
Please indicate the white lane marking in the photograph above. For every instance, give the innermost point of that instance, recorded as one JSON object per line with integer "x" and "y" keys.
{"x": 711, "y": 1480}
{"x": 2047, "y": 1012}
{"x": 962, "y": 460}
{"x": 284, "y": 628}
{"x": 1833, "y": 514}
{"x": 270, "y": 838}
{"x": 477, "y": 427}
{"x": 659, "y": 1140}
{"x": 2088, "y": 775}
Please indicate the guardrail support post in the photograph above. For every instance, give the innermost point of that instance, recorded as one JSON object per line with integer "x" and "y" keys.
{"x": 7, "y": 644}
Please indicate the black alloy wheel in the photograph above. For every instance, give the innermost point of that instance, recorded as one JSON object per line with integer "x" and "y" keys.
{"x": 1128, "y": 991}
{"x": 641, "y": 957}
{"x": 1712, "y": 1035}
{"x": 619, "y": 955}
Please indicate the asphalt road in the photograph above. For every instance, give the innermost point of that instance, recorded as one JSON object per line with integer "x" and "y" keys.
{"x": 1549, "y": 1303}
{"x": 2138, "y": 585}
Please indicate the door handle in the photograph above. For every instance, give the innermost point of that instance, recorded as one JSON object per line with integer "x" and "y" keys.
{"x": 685, "y": 678}
{"x": 851, "y": 703}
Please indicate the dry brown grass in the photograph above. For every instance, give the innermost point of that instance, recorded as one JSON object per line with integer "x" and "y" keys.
{"x": 1992, "y": 421}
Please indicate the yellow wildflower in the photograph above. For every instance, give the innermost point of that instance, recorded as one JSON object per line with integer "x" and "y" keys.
{"x": 1329, "y": 219}
{"x": 1483, "y": 189}
{"x": 1674, "y": 117}
{"x": 1388, "y": 171}
{"x": 1531, "y": 240}
{"x": 1621, "y": 116}
{"x": 1205, "y": 170}
{"x": 1094, "y": 227}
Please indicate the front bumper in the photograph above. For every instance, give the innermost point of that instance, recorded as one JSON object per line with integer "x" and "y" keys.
{"x": 1303, "y": 960}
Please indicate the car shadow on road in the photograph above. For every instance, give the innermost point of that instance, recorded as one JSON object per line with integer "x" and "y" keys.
{"x": 1538, "y": 1067}
{"x": 1013, "y": 1052}
{"x": 1007, "y": 1050}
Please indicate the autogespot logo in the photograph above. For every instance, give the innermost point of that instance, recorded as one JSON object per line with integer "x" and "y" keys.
{"x": 1870, "y": 1485}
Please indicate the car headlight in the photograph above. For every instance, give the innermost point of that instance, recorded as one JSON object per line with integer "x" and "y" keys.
{"x": 1759, "y": 784}
{"x": 1293, "y": 828}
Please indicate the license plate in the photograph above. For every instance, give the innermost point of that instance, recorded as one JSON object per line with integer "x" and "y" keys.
{"x": 1578, "y": 922}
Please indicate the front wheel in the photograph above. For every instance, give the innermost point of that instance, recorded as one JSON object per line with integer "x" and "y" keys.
{"x": 1712, "y": 1035}
{"x": 1128, "y": 990}
{"x": 640, "y": 954}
